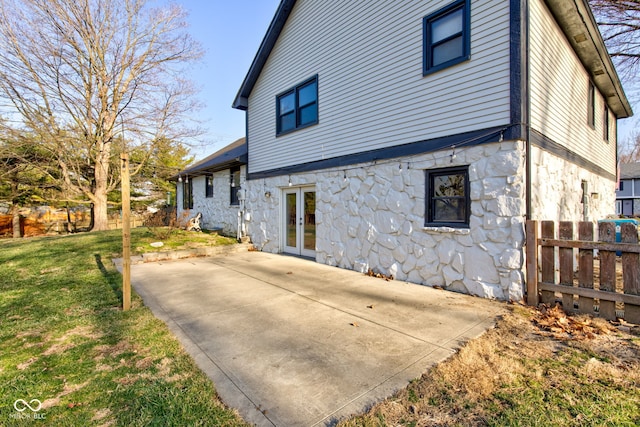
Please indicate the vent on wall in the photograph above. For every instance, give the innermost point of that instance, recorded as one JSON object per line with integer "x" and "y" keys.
{"x": 579, "y": 38}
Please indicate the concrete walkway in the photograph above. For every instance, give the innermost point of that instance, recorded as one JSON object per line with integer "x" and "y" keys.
{"x": 289, "y": 342}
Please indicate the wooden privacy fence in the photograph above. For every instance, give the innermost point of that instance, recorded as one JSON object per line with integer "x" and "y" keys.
{"x": 603, "y": 284}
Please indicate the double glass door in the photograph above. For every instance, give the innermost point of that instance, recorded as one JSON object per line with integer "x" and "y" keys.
{"x": 300, "y": 221}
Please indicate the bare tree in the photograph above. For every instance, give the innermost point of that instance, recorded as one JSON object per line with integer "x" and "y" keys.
{"x": 629, "y": 150}
{"x": 91, "y": 78}
{"x": 619, "y": 22}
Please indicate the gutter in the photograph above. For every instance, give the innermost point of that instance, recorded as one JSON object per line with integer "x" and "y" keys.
{"x": 527, "y": 113}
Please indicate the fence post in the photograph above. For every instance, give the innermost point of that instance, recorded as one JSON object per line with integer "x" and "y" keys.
{"x": 532, "y": 262}
{"x": 585, "y": 266}
{"x": 631, "y": 272}
{"x": 607, "y": 233}
{"x": 548, "y": 261}
{"x": 566, "y": 265}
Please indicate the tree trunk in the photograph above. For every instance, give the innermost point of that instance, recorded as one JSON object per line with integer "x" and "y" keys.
{"x": 16, "y": 222}
{"x": 101, "y": 183}
{"x": 100, "y": 217}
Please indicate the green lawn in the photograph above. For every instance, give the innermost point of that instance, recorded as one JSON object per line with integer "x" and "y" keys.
{"x": 65, "y": 341}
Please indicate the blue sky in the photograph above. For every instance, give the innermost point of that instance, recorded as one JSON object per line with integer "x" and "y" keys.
{"x": 230, "y": 32}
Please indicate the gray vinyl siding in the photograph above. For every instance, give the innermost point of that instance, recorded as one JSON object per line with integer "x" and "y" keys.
{"x": 628, "y": 186}
{"x": 371, "y": 91}
{"x": 559, "y": 94}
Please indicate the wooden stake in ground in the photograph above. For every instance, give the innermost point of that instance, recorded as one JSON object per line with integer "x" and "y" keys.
{"x": 126, "y": 233}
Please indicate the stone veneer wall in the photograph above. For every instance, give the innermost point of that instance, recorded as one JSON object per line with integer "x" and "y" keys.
{"x": 374, "y": 219}
{"x": 217, "y": 211}
{"x": 557, "y": 193}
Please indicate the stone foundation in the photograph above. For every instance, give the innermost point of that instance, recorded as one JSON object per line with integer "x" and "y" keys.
{"x": 217, "y": 211}
{"x": 557, "y": 193}
{"x": 374, "y": 219}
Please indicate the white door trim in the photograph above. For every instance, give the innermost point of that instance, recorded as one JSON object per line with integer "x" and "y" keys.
{"x": 297, "y": 220}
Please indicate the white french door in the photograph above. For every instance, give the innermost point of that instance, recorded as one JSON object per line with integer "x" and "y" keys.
{"x": 299, "y": 221}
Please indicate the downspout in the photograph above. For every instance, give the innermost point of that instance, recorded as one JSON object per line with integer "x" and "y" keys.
{"x": 527, "y": 113}
{"x": 240, "y": 216}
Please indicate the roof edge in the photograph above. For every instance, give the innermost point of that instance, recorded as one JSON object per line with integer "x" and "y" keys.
{"x": 576, "y": 18}
{"x": 241, "y": 101}
{"x": 234, "y": 154}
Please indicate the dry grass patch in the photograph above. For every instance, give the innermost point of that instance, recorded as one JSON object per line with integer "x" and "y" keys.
{"x": 523, "y": 373}
{"x": 101, "y": 414}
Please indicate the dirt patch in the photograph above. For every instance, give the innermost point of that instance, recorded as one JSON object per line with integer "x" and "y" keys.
{"x": 164, "y": 367}
{"x": 101, "y": 414}
{"x": 24, "y": 365}
{"x": 81, "y": 331}
{"x": 66, "y": 390}
{"x": 62, "y": 344}
{"x": 128, "y": 379}
{"x": 144, "y": 363}
{"x": 112, "y": 350}
{"x": 176, "y": 378}
{"x": 27, "y": 334}
{"x": 58, "y": 348}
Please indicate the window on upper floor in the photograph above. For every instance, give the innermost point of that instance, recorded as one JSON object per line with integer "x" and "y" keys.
{"x": 591, "y": 106}
{"x": 208, "y": 186}
{"x": 234, "y": 183}
{"x": 447, "y": 197}
{"x": 605, "y": 124}
{"x": 446, "y": 37}
{"x": 187, "y": 193}
{"x": 297, "y": 107}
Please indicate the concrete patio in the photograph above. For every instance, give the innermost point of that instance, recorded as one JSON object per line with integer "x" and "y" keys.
{"x": 289, "y": 342}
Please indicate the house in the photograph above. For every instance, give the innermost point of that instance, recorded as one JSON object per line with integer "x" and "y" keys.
{"x": 415, "y": 138}
{"x": 212, "y": 187}
{"x": 628, "y": 192}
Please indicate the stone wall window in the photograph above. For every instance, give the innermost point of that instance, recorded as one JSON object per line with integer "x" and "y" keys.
{"x": 447, "y": 198}
{"x": 209, "y": 186}
{"x": 187, "y": 193}
{"x": 234, "y": 182}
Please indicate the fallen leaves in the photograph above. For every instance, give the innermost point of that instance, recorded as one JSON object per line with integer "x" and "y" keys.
{"x": 556, "y": 323}
{"x": 371, "y": 273}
